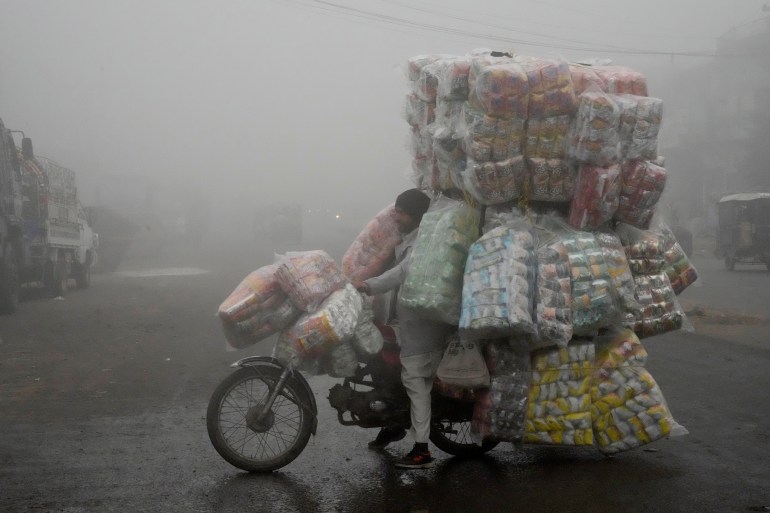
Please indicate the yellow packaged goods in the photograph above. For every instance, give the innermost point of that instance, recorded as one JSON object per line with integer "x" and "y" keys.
{"x": 433, "y": 285}
{"x": 308, "y": 277}
{"x": 372, "y": 249}
{"x": 317, "y": 333}
{"x": 550, "y": 87}
{"x": 256, "y": 309}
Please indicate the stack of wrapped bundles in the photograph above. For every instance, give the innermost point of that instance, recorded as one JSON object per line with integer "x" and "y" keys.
{"x": 420, "y": 113}
{"x": 434, "y": 282}
{"x": 622, "y": 80}
{"x": 628, "y": 408}
{"x": 554, "y": 295}
{"x": 559, "y": 410}
{"x": 642, "y": 184}
{"x": 452, "y": 92}
{"x": 619, "y": 270}
{"x": 586, "y": 78}
{"x": 373, "y": 248}
{"x": 308, "y": 277}
{"x": 501, "y": 410}
{"x": 640, "y": 120}
{"x": 499, "y": 285}
{"x": 256, "y": 309}
{"x": 659, "y": 310}
{"x": 680, "y": 271}
{"x": 597, "y": 196}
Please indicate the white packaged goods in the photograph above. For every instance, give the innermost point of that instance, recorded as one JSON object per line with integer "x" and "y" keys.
{"x": 308, "y": 277}
{"x": 495, "y": 182}
{"x": 642, "y": 184}
{"x": 341, "y": 362}
{"x": 256, "y": 309}
{"x": 552, "y": 180}
{"x": 554, "y": 295}
{"x": 640, "y": 120}
{"x": 620, "y": 272}
{"x": 499, "y": 285}
{"x": 433, "y": 285}
{"x": 367, "y": 339}
{"x": 315, "y": 334}
{"x": 596, "y": 197}
{"x": 373, "y": 248}
{"x": 559, "y": 405}
{"x": 594, "y": 137}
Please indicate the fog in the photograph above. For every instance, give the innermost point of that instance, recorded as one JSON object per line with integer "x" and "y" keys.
{"x": 238, "y": 104}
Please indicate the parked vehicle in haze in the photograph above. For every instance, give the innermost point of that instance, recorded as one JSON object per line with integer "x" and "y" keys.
{"x": 743, "y": 233}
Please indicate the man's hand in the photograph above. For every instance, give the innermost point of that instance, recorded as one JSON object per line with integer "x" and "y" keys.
{"x": 362, "y": 287}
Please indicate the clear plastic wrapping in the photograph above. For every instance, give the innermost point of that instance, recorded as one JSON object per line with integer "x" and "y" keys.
{"x": 547, "y": 137}
{"x": 499, "y": 284}
{"x": 642, "y": 186}
{"x": 660, "y": 311}
{"x": 645, "y": 250}
{"x": 487, "y": 138}
{"x": 680, "y": 271}
{"x": 450, "y": 164}
{"x": 315, "y": 334}
{"x": 367, "y": 339}
{"x": 586, "y": 78}
{"x": 552, "y": 180}
{"x": 495, "y": 182}
{"x": 419, "y": 113}
{"x": 308, "y": 277}
{"x": 433, "y": 285}
{"x": 594, "y": 137}
{"x": 622, "y": 80}
{"x": 550, "y": 87}
{"x": 596, "y": 197}
{"x": 640, "y": 121}
{"x": 341, "y": 361}
{"x": 373, "y": 249}
{"x": 499, "y": 87}
{"x": 619, "y": 270}
{"x": 554, "y": 295}
{"x": 256, "y": 309}
{"x": 453, "y": 78}
{"x": 559, "y": 409}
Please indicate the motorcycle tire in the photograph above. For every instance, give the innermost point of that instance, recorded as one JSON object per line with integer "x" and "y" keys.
{"x": 455, "y": 438}
{"x": 271, "y": 444}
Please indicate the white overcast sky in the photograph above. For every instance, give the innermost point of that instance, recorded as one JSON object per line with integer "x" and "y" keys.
{"x": 297, "y": 99}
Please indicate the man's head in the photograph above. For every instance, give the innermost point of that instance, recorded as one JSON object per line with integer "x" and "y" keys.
{"x": 410, "y": 207}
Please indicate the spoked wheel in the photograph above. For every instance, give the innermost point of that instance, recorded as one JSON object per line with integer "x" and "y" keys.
{"x": 249, "y": 437}
{"x": 455, "y": 438}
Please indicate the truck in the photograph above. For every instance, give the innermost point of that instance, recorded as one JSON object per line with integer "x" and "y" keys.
{"x": 56, "y": 227}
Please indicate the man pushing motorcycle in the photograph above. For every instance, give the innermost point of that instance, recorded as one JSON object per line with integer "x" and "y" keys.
{"x": 421, "y": 340}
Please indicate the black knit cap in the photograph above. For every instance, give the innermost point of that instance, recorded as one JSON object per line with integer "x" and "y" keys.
{"x": 414, "y": 202}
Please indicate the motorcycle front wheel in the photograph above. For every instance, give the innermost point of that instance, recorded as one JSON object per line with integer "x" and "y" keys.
{"x": 244, "y": 436}
{"x": 455, "y": 438}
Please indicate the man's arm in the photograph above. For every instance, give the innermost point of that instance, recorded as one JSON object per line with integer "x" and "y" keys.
{"x": 391, "y": 278}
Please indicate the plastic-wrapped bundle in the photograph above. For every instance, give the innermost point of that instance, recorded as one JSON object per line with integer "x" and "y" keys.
{"x": 433, "y": 285}
{"x": 594, "y": 136}
{"x": 619, "y": 270}
{"x": 453, "y": 78}
{"x": 495, "y": 182}
{"x": 500, "y": 215}
{"x": 547, "y": 137}
{"x": 341, "y": 362}
{"x": 554, "y": 295}
{"x": 560, "y": 396}
{"x": 621, "y": 80}
{"x": 449, "y": 119}
{"x": 629, "y": 409}
{"x": 680, "y": 271}
{"x": 426, "y": 84}
{"x": 593, "y": 305}
{"x": 498, "y": 286}
{"x": 498, "y": 87}
{"x": 315, "y": 334}
{"x": 488, "y": 138}
{"x": 419, "y": 113}
{"x": 256, "y": 309}
{"x": 308, "y": 277}
{"x": 586, "y": 78}
{"x": 619, "y": 347}
{"x": 367, "y": 339}
{"x": 659, "y": 311}
{"x": 645, "y": 250}
{"x": 372, "y": 250}
{"x": 551, "y": 179}
{"x": 596, "y": 197}
{"x": 550, "y": 88}
{"x": 639, "y": 126}
{"x": 501, "y": 411}
{"x": 450, "y": 163}
{"x": 420, "y": 143}
{"x": 642, "y": 184}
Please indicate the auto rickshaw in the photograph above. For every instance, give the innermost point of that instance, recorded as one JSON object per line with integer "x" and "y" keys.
{"x": 743, "y": 235}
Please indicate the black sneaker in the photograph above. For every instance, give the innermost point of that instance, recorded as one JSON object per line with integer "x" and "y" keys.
{"x": 416, "y": 459}
{"x": 387, "y": 436}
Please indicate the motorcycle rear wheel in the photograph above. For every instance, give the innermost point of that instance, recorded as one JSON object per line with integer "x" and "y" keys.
{"x": 455, "y": 438}
{"x": 236, "y": 433}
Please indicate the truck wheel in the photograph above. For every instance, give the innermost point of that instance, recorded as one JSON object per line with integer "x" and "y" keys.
{"x": 55, "y": 279}
{"x": 83, "y": 274}
{"x": 10, "y": 283}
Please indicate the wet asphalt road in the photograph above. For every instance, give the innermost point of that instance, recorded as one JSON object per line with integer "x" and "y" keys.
{"x": 103, "y": 398}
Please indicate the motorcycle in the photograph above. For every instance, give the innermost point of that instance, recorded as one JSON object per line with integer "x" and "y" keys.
{"x": 261, "y": 417}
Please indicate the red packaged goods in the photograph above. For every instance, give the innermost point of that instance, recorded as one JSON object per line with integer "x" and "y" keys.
{"x": 640, "y": 120}
{"x": 551, "y": 179}
{"x": 547, "y": 138}
{"x": 495, "y": 182}
{"x": 594, "y": 135}
{"x": 585, "y": 78}
{"x": 419, "y": 113}
{"x": 596, "y": 196}
{"x": 622, "y": 80}
{"x": 453, "y": 78}
{"x": 418, "y": 62}
{"x": 373, "y": 248}
{"x": 499, "y": 89}
{"x": 256, "y": 309}
{"x": 308, "y": 277}
{"x": 642, "y": 185}
{"x": 550, "y": 88}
